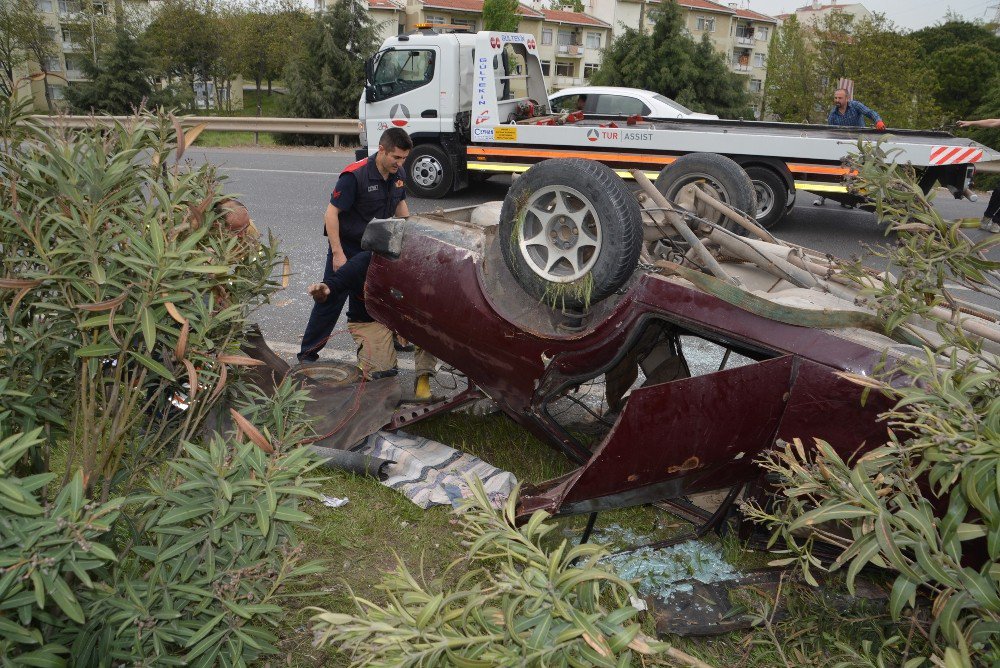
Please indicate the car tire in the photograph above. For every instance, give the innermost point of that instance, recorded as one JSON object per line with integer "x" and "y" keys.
{"x": 726, "y": 178}
{"x": 570, "y": 232}
{"x": 771, "y": 192}
{"x": 429, "y": 172}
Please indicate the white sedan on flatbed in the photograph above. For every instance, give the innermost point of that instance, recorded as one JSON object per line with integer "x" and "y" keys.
{"x": 615, "y": 101}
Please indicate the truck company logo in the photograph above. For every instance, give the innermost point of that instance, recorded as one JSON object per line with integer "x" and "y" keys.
{"x": 594, "y": 134}
{"x": 531, "y": 44}
{"x": 495, "y": 42}
{"x": 483, "y": 117}
{"x": 636, "y": 136}
{"x": 482, "y": 80}
{"x": 382, "y": 125}
{"x": 399, "y": 115}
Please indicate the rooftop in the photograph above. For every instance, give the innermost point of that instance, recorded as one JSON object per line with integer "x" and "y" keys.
{"x": 473, "y": 6}
{"x": 576, "y": 18}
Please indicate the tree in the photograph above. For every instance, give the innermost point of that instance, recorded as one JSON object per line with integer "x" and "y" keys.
{"x": 567, "y": 5}
{"x": 326, "y": 79}
{"x": 39, "y": 46}
{"x": 964, "y": 74}
{"x": 17, "y": 20}
{"x": 119, "y": 84}
{"x": 501, "y": 15}
{"x": 269, "y": 36}
{"x": 966, "y": 57}
{"x": 792, "y": 86}
{"x": 183, "y": 39}
{"x": 668, "y": 61}
{"x": 890, "y": 75}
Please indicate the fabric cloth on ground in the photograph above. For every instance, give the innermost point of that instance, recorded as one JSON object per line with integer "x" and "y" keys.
{"x": 432, "y": 474}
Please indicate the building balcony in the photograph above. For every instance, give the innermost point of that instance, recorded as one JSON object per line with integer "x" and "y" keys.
{"x": 739, "y": 67}
{"x": 570, "y": 51}
{"x": 565, "y": 82}
{"x": 75, "y": 75}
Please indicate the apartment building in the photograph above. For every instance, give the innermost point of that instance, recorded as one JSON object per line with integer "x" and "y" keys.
{"x": 815, "y": 12}
{"x": 740, "y": 34}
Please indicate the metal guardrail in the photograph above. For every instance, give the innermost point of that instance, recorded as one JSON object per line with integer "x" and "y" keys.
{"x": 338, "y": 127}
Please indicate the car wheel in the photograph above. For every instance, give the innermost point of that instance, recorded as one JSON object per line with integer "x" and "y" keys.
{"x": 428, "y": 171}
{"x": 724, "y": 179}
{"x": 772, "y": 195}
{"x": 570, "y": 232}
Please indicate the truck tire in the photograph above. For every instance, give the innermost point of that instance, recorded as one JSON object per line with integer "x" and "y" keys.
{"x": 570, "y": 232}
{"x": 429, "y": 172}
{"x": 724, "y": 177}
{"x": 771, "y": 193}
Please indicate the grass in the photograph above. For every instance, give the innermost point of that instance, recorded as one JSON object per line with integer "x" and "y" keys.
{"x": 362, "y": 540}
{"x": 270, "y": 107}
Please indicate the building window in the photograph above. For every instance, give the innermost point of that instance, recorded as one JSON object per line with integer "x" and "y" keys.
{"x": 468, "y": 23}
{"x": 546, "y": 67}
{"x": 565, "y": 38}
{"x": 761, "y": 34}
{"x": 758, "y": 60}
{"x": 546, "y": 37}
{"x": 53, "y": 64}
{"x": 564, "y": 69}
{"x": 435, "y": 19}
{"x": 756, "y": 85}
{"x": 55, "y": 92}
{"x": 44, "y": 6}
{"x": 74, "y": 65}
{"x": 590, "y": 69}
{"x": 593, "y": 40}
{"x": 706, "y": 24}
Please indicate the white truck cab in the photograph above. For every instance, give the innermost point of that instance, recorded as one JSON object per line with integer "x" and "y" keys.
{"x": 445, "y": 88}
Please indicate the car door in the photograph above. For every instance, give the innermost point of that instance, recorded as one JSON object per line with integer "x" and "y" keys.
{"x": 608, "y": 104}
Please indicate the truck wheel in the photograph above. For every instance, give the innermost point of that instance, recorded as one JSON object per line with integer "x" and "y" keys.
{"x": 772, "y": 195}
{"x": 570, "y": 232}
{"x": 723, "y": 177}
{"x": 428, "y": 171}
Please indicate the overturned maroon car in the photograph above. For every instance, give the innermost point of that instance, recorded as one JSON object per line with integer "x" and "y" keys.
{"x": 576, "y": 278}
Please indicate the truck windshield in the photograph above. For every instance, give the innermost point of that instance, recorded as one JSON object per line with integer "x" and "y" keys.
{"x": 401, "y": 71}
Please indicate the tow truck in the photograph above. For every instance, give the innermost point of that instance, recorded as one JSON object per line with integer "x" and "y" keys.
{"x": 475, "y": 105}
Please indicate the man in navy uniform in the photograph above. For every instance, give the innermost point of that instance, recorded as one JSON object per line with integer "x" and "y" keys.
{"x": 368, "y": 189}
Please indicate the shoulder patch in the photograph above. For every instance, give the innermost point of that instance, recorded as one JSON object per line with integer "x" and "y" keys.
{"x": 355, "y": 166}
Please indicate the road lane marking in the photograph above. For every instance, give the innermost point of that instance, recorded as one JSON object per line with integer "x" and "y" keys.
{"x": 277, "y": 171}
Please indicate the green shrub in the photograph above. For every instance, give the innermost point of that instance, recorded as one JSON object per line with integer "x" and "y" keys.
{"x": 522, "y": 605}
{"x": 120, "y": 282}
{"x": 926, "y": 505}
{"x": 124, "y": 297}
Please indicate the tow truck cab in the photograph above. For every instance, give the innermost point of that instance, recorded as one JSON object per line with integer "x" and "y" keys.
{"x": 439, "y": 85}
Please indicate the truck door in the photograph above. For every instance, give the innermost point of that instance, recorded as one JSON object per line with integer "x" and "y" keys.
{"x": 405, "y": 92}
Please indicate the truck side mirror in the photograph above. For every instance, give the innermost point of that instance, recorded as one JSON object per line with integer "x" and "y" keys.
{"x": 369, "y": 93}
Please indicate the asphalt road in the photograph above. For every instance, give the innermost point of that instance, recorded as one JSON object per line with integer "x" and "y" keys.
{"x": 287, "y": 190}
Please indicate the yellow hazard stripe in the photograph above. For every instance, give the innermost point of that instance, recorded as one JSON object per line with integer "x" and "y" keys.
{"x": 820, "y": 187}
{"x": 517, "y": 168}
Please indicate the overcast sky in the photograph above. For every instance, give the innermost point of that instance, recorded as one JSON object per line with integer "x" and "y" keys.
{"x": 911, "y": 14}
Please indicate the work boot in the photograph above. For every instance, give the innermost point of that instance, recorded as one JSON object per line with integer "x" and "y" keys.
{"x": 422, "y": 387}
{"x": 989, "y": 225}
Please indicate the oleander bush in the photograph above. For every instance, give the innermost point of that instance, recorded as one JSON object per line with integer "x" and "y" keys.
{"x": 149, "y": 494}
{"x": 926, "y": 504}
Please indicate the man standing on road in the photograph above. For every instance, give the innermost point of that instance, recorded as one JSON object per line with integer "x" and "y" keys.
{"x": 849, "y": 113}
{"x": 991, "y": 217}
{"x": 369, "y": 188}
